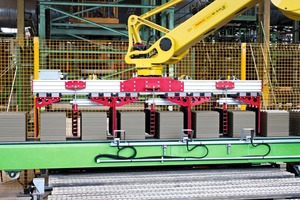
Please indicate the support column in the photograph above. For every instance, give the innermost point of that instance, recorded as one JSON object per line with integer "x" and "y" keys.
{"x": 266, "y": 22}
{"x": 296, "y": 32}
{"x": 243, "y": 61}
{"x": 163, "y": 16}
{"x": 42, "y": 22}
{"x": 19, "y": 81}
{"x": 264, "y": 32}
{"x": 171, "y": 25}
{"x": 36, "y": 77}
{"x": 21, "y": 22}
{"x": 146, "y": 32}
{"x": 243, "y": 66}
{"x": 264, "y": 11}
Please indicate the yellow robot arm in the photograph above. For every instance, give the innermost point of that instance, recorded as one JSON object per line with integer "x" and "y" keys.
{"x": 290, "y": 8}
{"x": 174, "y": 44}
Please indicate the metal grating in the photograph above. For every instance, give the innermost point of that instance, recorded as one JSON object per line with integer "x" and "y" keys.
{"x": 249, "y": 183}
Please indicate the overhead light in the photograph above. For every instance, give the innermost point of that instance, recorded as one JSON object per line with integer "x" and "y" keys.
{"x": 14, "y": 30}
{"x": 9, "y": 30}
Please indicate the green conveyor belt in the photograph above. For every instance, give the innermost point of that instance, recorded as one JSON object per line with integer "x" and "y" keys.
{"x": 77, "y": 154}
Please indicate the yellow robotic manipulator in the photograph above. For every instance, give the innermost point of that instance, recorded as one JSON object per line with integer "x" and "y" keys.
{"x": 173, "y": 45}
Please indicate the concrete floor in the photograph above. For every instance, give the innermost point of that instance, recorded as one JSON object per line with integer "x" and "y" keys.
{"x": 13, "y": 189}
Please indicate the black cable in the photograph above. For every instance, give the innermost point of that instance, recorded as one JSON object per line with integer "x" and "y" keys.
{"x": 117, "y": 156}
{"x": 1, "y": 176}
{"x": 133, "y": 156}
{"x": 126, "y": 147}
{"x": 264, "y": 144}
{"x": 196, "y": 146}
{"x": 18, "y": 179}
{"x": 149, "y": 38}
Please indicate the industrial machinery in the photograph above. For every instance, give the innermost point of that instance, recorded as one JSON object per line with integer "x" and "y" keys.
{"x": 153, "y": 138}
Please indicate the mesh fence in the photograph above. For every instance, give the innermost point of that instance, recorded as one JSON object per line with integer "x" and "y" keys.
{"x": 277, "y": 66}
{"x": 16, "y": 74}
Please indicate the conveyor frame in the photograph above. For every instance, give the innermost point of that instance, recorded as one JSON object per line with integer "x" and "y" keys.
{"x": 83, "y": 154}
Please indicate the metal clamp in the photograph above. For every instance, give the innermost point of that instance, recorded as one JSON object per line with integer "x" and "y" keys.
{"x": 75, "y": 85}
{"x": 119, "y": 131}
{"x": 224, "y": 85}
{"x": 190, "y": 133}
{"x": 38, "y": 188}
{"x": 247, "y": 138}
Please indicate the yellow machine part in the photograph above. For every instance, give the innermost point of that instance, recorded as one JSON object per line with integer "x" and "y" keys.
{"x": 174, "y": 45}
{"x": 290, "y": 8}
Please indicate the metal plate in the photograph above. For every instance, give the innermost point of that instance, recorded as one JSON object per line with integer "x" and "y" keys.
{"x": 113, "y": 86}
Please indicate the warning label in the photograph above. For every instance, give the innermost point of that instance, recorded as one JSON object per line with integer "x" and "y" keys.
{"x": 210, "y": 15}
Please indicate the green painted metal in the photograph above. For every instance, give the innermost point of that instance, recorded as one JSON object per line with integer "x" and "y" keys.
{"x": 88, "y": 25}
{"x": 87, "y": 21}
{"x": 36, "y": 155}
{"x": 42, "y": 22}
{"x": 145, "y": 32}
{"x": 95, "y": 32}
{"x": 63, "y": 32}
{"x": 58, "y": 3}
{"x": 171, "y": 13}
{"x": 183, "y": 13}
{"x": 163, "y": 15}
{"x": 246, "y": 18}
{"x": 76, "y": 13}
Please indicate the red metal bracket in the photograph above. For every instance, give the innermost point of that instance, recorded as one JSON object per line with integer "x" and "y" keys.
{"x": 249, "y": 100}
{"x": 113, "y": 101}
{"x": 223, "y": 85}
{"x": 75, "y": 119}
{"x": 44, "y": 101}
{"x": 75, "y": 85}
{"x": 75, "y": 107}
{"x": 150, "y": 84}
{"x": 188, "y": 101}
